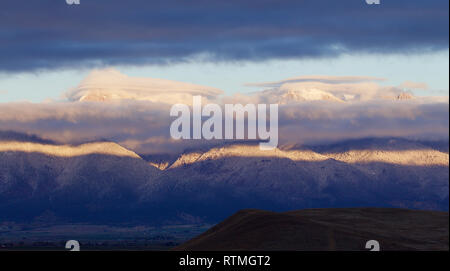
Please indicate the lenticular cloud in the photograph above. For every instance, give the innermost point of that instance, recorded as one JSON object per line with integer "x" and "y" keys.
{"x": 135, "y": 111}
{"x": 111, "y": 85}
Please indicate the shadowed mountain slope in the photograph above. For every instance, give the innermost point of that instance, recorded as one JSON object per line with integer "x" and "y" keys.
{"x": 90, "y": 181}
{"x": 102, "y": 181}
{"x": 281, "y": 180}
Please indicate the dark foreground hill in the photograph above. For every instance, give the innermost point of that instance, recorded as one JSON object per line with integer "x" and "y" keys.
{"x": 327, "y": 229}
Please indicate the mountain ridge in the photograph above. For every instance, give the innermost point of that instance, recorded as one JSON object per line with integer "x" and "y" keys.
{"x": 105, "y": 181}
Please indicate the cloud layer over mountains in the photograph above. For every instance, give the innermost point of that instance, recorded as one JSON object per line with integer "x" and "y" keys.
{"x": 135, "y": 111}
{"x": 333, "y": 88}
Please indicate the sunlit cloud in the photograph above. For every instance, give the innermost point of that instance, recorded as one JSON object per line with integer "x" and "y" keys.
{"x": 135, "y": 111}
{"x": 111, "y": 85}
{"x": 414, "y": 85}
{"x": 332, "y": 88}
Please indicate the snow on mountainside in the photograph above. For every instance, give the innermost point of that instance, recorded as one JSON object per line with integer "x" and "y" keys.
{"x": 105, "y": 148}
{"x": 71, "y": 181}
{"x": 404, "y": 96}
{"x": 243, "y": 150}
{"x": 392, "y": 151}
{"x": 246, "y": 176}
{"x": 302, "y": 95}
{"x": 104, "y": 181}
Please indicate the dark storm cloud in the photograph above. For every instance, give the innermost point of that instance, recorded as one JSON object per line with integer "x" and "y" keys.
{"x": 51, "y": 34}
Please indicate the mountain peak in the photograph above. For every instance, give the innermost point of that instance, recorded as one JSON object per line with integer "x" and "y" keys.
{"x": 105, "y": 148}
{"x": 404, "y": 96}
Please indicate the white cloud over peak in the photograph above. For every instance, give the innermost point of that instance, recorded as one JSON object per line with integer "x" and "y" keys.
{"x": 111, "y": 85}
{"x": 330, "y": 88}
{"x": 320, "y": 78}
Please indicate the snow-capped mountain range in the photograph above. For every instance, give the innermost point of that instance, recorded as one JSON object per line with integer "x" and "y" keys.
{"x": 104, "y": 181}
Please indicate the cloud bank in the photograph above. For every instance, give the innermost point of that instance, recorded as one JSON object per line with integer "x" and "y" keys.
{"x": 50, "y": 34}
{"x": 136, "y": 113}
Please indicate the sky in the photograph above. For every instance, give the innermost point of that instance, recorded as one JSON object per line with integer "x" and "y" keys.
{"x": 48, "y": 46}
{"x": 52, "y": 54}
{"x": 232, "y": 77}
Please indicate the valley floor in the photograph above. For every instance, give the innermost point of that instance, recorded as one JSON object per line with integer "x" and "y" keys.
{"x": 249, "y": 230}
{"x": 15, "y": 236}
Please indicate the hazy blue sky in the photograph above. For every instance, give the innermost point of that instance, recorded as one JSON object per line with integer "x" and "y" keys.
{"x": 432, "y": 68}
